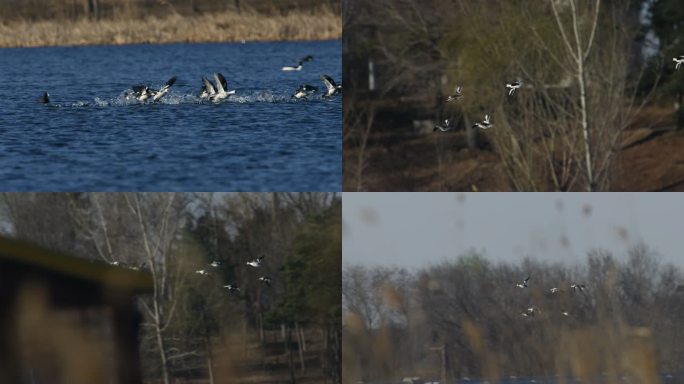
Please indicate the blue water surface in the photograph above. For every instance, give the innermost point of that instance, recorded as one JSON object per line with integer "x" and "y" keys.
{"x": 90, "y": 137}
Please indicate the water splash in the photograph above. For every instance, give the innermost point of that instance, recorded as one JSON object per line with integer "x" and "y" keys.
{"x": 126, "y": 99}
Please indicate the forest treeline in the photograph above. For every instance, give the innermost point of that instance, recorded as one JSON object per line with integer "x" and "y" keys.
{"x": 193, "y": 327}
{"x": 467, "y": 318}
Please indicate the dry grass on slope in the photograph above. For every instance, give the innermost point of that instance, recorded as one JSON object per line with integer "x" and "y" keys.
{"x": 222, "y": 27}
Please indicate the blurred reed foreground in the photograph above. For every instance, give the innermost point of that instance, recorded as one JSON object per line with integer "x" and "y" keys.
{"x": 465, "y": 321}
{"x": 30, "y": 23}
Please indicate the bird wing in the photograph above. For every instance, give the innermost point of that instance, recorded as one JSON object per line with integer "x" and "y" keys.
{"x": 527, "y": 276}
{"x": 329, "y": 82}
{"x": 306, "y": 58}
{"x": 169, "y": 83}
{"x": 208, "y": 86}
{"x": 220, "y": 81}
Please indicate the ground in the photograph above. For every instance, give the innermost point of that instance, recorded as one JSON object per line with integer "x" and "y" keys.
{"x": 651, "y": 159}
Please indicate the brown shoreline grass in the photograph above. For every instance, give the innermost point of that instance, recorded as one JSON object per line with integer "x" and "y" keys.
{"x": 227, "y": 26}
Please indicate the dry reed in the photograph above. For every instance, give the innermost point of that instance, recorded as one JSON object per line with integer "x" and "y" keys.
{"x": 226, "y": 26}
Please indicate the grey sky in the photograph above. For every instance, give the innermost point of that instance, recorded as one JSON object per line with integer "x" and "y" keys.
{"x": 414, "y": 229}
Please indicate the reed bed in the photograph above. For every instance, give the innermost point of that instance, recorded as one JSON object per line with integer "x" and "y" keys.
{"x": 227, "y": 26}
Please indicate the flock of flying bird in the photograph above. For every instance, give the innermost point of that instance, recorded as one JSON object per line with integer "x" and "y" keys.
{"x": 532, "y": 310}
{"x": 219, "y": 91}
{"x": 484, "y": 124}
{"x": 512, "y": 87}
{"x": 233, "y": 288}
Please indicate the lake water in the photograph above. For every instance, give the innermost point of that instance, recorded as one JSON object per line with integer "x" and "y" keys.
{"x": 91, "y": 138}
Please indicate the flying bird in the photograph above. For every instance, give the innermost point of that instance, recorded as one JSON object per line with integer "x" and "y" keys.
{"x": 159, "y": 94}
{"x": 215, "y": 93}
{"x": 445, "y": 127}
{"x": 524, "y": 283}
{"x": 513, "y": 87}
{"x": 232, "y": 288}
{"x": 457, "y": 95}
{"x": 291, "y": 68}
{"x": 266, "y": 280}
{"x": 304, "y": 91}
{"x": 144, "y": 92}
{"x": 580, "y": 287}
{"x": 202, "y": 272}
{"x": 215, "y": 264}
{"x": 256, "y": 262}
{"x": 554, "y": 290}
{"x": 331, "y": 88}
{"x": 678, "y": 60}
{"x": 485, "y": 124}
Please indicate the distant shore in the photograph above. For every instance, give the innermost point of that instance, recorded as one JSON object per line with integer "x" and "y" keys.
{"x": 226, "y": 26}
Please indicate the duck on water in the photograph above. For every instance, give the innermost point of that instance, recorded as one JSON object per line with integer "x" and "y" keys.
{"x": 331, "y": 87}
{"x": 217, "y": 93}
{"x": 143, "y": 92}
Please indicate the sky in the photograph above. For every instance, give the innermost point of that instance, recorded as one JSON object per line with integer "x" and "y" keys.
{"x": 414, "y": 230}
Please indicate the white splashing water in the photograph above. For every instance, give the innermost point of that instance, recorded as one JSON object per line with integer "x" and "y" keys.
{"x": 125, "y": 99}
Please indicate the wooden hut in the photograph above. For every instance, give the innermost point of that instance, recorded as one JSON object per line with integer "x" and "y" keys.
{"x": 67, "y": 320}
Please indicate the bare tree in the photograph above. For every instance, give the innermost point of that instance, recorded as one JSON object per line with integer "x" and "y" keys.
{"x": 562, "y": 129}
{"x": 470, "y": 311}
{"x": 148, "y": 232}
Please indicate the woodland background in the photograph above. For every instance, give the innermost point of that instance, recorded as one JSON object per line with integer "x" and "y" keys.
{"x": 193, "y": 329}
{"x": 463, "y": 319}
{"x": 600, "y": 108}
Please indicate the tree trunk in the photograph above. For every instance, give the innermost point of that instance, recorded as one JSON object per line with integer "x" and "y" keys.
{"x": 679, "y": 111}
{"x": 210, "y": 360}
{"x": 244, "y": 336}
{"x": 337, "y": 359}
{"x": 471, "y": 134}
{"x": 301, "y": 331}
{"x": 299, "y": 346}
{"x": 324, "y": 351}
{"x": 162, "y": 351}
{"x": 261, "y": 327}
{"x": 591, "y": 184}
{"x": 290, "y": 359}
{"x": 94, "y": 9}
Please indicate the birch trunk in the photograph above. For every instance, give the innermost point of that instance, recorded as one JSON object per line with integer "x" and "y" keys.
{"x": 591, "y": 185}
